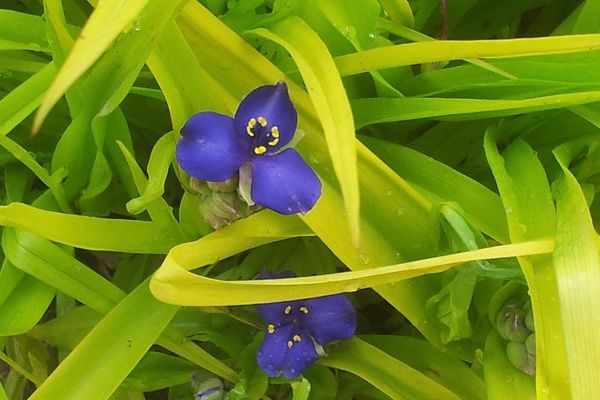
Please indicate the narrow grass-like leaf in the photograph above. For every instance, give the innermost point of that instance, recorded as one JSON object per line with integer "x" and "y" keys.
{"x": 435, "y": 363}
{"x": 172, "y": 283}
{"x": 525, "y": 193}
{"x": 158, "y": 209}
{"x": 158, "y": 168}
{"x": 21, "y": 102}
{"x": 377, "y": 110}
{"x": 3, "y": 395}
{"x": 158, "y": 371}
{"x": 399, "y": 12}
{"x": 443, "y": 50}
{"x": 330, "y": 101}
{"x": 51, "y": 181}
{"x": 102, "y": 360}
{"x": 92, "y": 233}
{"x": 577, "y": 262}
{"x": 22, "y": 31}
{"x": 109, "y": 19}
{"x": 23, "y": 300}
{"x": 48, "y": 263}
{"x": 482, "y": 206}
{"x": 392, "y": 377}
{"x": 186, "y": 86}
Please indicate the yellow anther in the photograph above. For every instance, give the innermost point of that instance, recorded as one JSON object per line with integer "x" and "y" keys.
{"x": 271, "y": 328}
{"x": 297, "y": 338}
{"x": 275, "y": 131}
{"x": 304, "y": 310}
{"x": 290, "y": 344}
{"x": 263, "y": 122}
{"x": 260, "y": 150}
{"x": 287, "y": 310}
{"x": 273, "y": 142}
{"x": 250, "y": 127}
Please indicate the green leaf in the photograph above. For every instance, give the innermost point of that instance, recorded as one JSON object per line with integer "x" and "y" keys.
{"x": 392, "y": 377}
{"x": 439, "y": 365}
{"x": 158, "y": 371}
{"x": 23, "y": 300}
{"x": 443, "y": 50}
{"x": 172, "y": 283}
{"x": 109, "y": 19}
{"x": 330, "y": 103}
{"x": 158, "y": 167}
{"x": 21, "y": 102}
{"x": 300, "y": 389}
{"x": 482, "y": 207}
{"x": 22, "y": 31}
{"x": 378, "y": 110}
{"x": 399, "y": 12}
{"x": 577, "y": 263}
{"x": 93, "y": 233}
{"x": 253, "y": 382}
{"x": 103, "y": 360}
{"x": 525, "y": 192}
{"x": 502, "y": 380}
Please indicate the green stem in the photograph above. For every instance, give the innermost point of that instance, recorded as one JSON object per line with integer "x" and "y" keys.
{"x": 14, "y": 365}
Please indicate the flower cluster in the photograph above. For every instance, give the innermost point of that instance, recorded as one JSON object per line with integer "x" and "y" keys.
{"x": 296, "y": 330}
{"x": 252, "y": 147}
{"x": 214, "y": 147}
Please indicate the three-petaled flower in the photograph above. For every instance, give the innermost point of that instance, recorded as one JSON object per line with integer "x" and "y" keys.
{"x": 296, "y": 328}
{"x": 213, "y": 147}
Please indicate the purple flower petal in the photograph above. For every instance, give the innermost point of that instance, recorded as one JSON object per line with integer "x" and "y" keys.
{"x": 286, "y": 351}
{"x": 266, "y": 118}
{"x": 209, "y": 149}
{"x": 278, "y": 313}
{"x": 329, "y": 318}
{"x": 284, "y": 183}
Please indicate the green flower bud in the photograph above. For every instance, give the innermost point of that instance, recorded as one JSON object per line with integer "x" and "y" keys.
{"x": 510, "y": 323}
{"x": 529, "y": 320}
{"x": 530, "y": 344}
{"x": 211, "y": 389}
{"x": 519, "y": 357}
{"x": 220, "y": 202}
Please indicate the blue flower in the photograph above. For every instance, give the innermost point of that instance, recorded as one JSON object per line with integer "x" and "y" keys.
{"x": 213, "y": 147}
{"x": 296, "y": 328}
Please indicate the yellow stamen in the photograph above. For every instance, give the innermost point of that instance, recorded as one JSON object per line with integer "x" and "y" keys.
{"x": 275, "y": 131}
{"x": 287, "y": 310}
{"x": 290, "y": 344}
{"x": 250, "y": 127}
{"x": 273, "y": 142}
{"x": 260, "y": 150}
{"x": 271, "y": 328}
{"x": 263, "y": 122}
{"x": 297, "y": 338}
{"x": 304, "y": 310}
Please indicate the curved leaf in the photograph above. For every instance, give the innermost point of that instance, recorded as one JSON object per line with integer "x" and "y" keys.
{"x": 329, "y": 98}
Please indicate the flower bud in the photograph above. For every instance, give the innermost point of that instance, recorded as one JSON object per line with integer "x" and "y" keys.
{"x": 510, "y": 323}
{"x": 519, "y": 357}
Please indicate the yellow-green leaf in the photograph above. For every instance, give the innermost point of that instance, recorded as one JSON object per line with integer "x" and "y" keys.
{"x": 108, "y": 20}
{"x": 329, "y": 98}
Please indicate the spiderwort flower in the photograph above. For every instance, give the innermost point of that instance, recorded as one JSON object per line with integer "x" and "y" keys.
{"x": 213, "y": 147}
{"x": 295, "y": 329}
